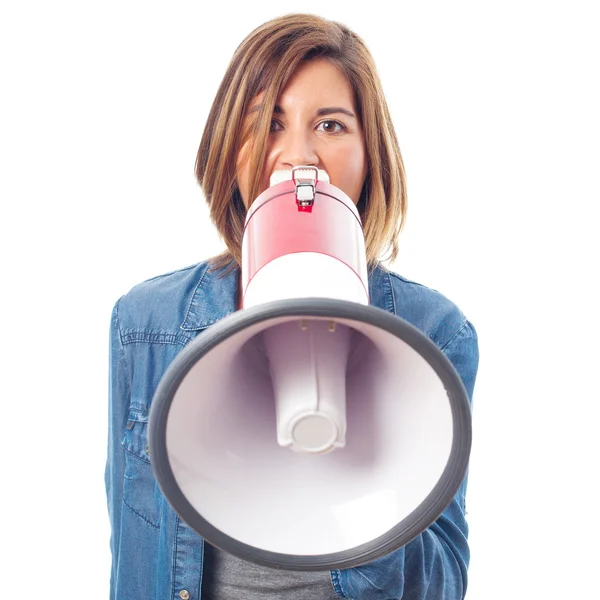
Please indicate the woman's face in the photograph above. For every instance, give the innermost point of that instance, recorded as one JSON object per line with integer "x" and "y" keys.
{"x": 315, "y": 123}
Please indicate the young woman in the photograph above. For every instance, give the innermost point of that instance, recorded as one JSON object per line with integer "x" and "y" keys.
{"x": 299, "y": 90}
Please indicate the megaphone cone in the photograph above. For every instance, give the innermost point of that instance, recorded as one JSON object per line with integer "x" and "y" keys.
{"x": 309, "y": 433}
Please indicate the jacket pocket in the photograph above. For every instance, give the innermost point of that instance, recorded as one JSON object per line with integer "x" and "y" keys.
{"x": 141, "y": 493}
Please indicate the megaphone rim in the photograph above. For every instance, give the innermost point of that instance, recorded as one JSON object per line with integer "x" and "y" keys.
{"x": 429, "y": 509}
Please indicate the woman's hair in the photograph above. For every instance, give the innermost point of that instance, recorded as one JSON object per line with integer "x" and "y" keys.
{"x": 263, "y": 63}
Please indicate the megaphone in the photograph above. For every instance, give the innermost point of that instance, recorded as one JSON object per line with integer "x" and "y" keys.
{"x": 309, "y": 430}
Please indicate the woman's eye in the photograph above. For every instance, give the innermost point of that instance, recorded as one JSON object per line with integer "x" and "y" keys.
{"x": 331, "y": 127}
{"x": 275, "y": 126}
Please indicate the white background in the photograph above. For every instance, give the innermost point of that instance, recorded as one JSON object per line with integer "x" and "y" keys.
{"x": 496, "y": 106}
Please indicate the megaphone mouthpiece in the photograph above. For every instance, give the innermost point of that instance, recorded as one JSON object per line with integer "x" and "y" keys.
{"x": 307, "y": 361}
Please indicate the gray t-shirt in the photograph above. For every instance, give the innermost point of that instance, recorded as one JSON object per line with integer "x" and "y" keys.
{"x": 227, "y": 577}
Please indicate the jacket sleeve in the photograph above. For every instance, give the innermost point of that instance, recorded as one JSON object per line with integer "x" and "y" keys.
{"x": 118, "y": 408}
{"x": 434, "y": 565}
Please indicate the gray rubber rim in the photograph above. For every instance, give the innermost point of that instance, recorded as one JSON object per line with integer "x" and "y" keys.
{"x": 405, "y": 531}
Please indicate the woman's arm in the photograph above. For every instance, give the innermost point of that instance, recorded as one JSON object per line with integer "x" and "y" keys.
{"x": 118, "y": 408}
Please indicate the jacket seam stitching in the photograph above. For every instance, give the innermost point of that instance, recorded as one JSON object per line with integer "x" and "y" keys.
{"x": 189, "y": 308}
{"x": 140, "y": 515}
{"x": 134, "y": 454}
{"x": 392, "y": 294}
{"x": 410, "y": 281}
{"x": 144, "y": 338}
{"x": 163, "y": 343}
{"x": 454, "y": 336}
{"x": 119, "y": 324}
{"x": 174, "y": 562}
{"x": 334, "y": 576}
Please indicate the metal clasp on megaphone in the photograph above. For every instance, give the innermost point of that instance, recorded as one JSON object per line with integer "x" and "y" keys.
{"x": 305, "y": 178}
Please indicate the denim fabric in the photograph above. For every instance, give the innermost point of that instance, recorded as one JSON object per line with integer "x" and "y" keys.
{"x": 157, "y": 556}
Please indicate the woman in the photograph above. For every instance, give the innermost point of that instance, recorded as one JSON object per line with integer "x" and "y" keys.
{"x": 299, "y": 90}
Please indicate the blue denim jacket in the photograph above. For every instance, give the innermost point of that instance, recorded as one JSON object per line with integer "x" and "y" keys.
{"x": 157, "y": 556}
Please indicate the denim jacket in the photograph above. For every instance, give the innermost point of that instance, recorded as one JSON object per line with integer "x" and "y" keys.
{"x": 155, "y": 555}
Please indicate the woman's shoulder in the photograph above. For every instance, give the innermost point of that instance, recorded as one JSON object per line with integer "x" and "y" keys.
{"x": 425, "y": 307}
{"x": 164, "y": 284}
{"x": 160, "y": 302}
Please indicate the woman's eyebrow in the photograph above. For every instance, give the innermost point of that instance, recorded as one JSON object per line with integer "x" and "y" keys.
{"x": 321, "y": 112}
{"x": 330, "y": 110}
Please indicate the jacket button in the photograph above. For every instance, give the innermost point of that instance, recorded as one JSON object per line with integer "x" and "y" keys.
{"x": 184, "y": 595}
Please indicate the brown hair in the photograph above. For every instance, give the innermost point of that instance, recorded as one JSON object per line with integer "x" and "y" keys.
{"x": 263, "y": 63}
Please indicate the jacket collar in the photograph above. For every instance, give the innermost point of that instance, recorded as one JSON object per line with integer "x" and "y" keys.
{"x": 216, "y": 293}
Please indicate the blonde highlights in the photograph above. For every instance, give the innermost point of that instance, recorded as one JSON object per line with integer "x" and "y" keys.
{"x": 262, "y": 64}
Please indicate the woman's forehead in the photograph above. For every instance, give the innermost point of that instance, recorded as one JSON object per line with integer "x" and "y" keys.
{"x": 314, "y": 85}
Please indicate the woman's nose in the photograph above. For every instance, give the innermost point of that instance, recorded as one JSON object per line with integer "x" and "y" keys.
{"x": 295, "y": 150}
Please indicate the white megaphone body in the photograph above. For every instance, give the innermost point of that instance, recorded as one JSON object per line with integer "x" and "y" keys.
{"x": 309, "y": 430}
